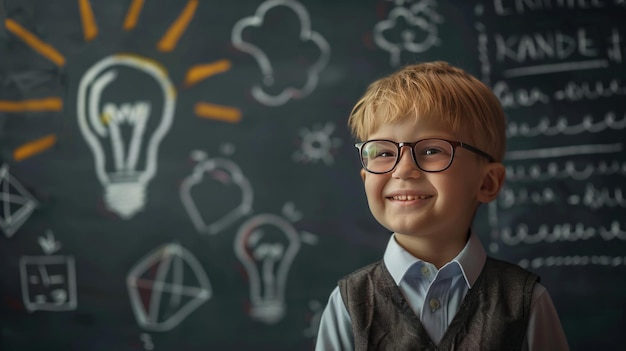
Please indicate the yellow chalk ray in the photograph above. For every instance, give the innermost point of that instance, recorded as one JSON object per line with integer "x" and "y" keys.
{"x": 32, "y": 105}
{"x": 176, "y": 30}
{"x": 35, "y": 43}
{"x": 90, "y": 28}
{"x": 34, "y": 147}
{"x": 133, "y": 14}
{"x": 90, "y": 31}
{"x": 201, "y": 72}
{"x": 222, "y": 113}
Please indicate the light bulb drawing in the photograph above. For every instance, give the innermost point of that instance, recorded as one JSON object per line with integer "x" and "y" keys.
{"x": 266, "y": 245}
{"x": 123, "y": 135}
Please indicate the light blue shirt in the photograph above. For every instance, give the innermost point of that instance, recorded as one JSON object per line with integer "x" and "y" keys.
{"x": 436, "y": 295}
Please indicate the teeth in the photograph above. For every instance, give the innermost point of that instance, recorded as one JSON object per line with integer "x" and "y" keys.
{"x": 409, "y": 197}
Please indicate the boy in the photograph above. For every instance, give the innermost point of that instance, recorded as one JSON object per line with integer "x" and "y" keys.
{"x": 433, "y": 142}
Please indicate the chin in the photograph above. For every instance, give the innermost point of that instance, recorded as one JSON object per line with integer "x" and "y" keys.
{"x": 403, "y": 229}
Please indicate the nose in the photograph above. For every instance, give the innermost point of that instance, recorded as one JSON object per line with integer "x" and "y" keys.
{"x": 406, "y": 166}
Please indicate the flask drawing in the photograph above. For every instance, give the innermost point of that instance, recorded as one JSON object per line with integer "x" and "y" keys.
{"x": 124, "y": 134}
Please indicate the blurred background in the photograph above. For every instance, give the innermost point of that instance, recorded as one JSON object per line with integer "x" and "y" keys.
{"x": 178, "y": 175}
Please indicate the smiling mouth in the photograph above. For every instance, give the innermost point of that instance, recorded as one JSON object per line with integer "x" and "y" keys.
{"x": 409, "y": 197}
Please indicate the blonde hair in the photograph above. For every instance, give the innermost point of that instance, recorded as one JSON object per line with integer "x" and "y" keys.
{"x": 434, "y": 90}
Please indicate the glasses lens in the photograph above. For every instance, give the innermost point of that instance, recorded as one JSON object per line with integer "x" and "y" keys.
{"x": 379, "y": 156}
{"x": 433, "y": 155}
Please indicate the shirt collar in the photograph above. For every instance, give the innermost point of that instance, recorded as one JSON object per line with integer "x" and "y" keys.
{"x": 471, "y": 260}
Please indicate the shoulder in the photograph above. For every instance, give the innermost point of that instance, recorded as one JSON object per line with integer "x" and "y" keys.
{"x": 365, "y": 282}
{"x": 363, "y": 271}
{"x": 508, "y": 268}
{"x": 499, "y": 275}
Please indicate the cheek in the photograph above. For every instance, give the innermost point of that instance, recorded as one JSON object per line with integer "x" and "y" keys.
{"x": 375, "y": 200}
{"x": 373, "y": 190}
{"x": 459, "y": 190}
{"x": 369, "y": 189}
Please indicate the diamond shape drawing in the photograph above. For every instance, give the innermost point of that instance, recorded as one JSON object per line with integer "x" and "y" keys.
{"x": 17, "y": 203}
{"x": 166, "y": 286}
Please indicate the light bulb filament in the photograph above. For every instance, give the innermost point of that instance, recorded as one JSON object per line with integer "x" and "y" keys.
{"x": 269, "y": 255}
{"x": 132, "y": 114}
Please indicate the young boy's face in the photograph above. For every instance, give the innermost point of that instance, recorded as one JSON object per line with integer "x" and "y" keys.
{"x": 438, "y": 205}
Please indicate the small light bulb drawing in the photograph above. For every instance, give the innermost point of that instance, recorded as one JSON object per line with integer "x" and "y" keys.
{"x": 266, "y": 246}
{"x": 122, "y": 129}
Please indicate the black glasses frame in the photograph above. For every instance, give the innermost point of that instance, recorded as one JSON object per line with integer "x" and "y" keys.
{"x": 400, "y": 145}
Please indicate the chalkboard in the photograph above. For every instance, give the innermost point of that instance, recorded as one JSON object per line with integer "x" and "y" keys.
{"x": 178, "y": 175}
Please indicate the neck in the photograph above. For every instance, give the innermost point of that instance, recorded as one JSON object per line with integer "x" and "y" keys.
{"x": 437, "y": 251}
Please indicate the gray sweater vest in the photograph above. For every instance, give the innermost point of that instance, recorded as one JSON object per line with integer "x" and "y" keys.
{"x": 493, "y": 315}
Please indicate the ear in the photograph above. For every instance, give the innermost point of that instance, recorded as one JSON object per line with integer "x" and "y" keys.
{"x": 492, "y": 181}
{"x": 363, "y": 173}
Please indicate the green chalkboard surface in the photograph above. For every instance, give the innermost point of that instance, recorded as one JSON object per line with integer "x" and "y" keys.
{"x": 178, "y": 175}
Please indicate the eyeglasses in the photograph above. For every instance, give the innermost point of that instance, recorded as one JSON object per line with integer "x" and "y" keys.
{"x": 430, "y": 155}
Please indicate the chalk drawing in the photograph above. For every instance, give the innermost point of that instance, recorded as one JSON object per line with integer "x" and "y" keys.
{"x": 166, "y": 286}
{"x": 17, "y": 203}
{"x": 268, "y": 68}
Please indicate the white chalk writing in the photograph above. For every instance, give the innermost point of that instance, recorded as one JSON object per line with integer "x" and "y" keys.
{"x": 561, "y": 126}
{"x": 564, "y": 151}
{"x": 597, "y": 198}
{"x": 539, "y": 172}
{"x": 561, "y": 232}
{"x": 576, "y": 260}
{"x": 519, "y": 97}
{"x": 574, "y": 91}
{"x": 547, "y": 45}
{"x": 518, "y": 7}
{"x": 591, "y": 197}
